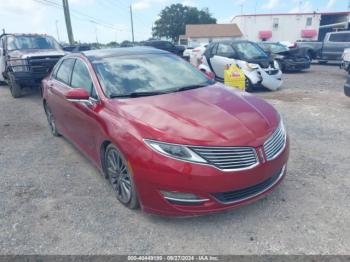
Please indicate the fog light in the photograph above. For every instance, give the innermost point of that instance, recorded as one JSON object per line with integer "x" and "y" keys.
{"x": 183, "y": 198}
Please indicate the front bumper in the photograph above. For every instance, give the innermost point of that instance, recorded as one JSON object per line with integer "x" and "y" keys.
{"x": 27, "y": 78}
{"x": 296, "y": 65}
{"x": 345, "y": 65}
{"x": 159, "y": 173}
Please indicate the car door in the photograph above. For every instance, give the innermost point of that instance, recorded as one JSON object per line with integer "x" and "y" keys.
{"x": 58, "y": 86}
{"x": 334, "y": 46}
{"x": 221, "y": 57}
{"x": 82, "y": 119}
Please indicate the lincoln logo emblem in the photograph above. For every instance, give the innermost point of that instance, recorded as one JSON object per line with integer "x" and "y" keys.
{"x": 261, "y": 154}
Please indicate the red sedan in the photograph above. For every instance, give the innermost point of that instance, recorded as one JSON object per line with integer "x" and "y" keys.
{"x": 168, "y": 138}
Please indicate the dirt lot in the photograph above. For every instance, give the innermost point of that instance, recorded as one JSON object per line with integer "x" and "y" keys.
{"x": 53, "y": 201}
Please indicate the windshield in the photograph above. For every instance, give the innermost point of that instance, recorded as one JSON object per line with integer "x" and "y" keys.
{"x": 149, "y": 73}
{"x": 277, "y": 48}
{"x": 31, "y": 42}
{"x": 248, "y": 51}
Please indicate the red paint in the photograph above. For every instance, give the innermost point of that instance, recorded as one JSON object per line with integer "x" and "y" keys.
{"x": 209, "y": 116}
{"x": 308, "y": 33}
{"x": 77, "y": 94}
{"x": 265, "y": 34}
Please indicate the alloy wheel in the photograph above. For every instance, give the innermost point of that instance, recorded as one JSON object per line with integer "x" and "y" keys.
{"x": 51, "y": 120}
{"x": 119, "y": 175}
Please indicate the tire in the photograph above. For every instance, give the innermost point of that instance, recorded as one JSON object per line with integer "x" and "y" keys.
{"x": 248, "y": 85}
{"x": 309, "y": 55}
{"x": 120, "y": 177}
{"x": 51, "y": 120}
{"x": 15, "y": 88}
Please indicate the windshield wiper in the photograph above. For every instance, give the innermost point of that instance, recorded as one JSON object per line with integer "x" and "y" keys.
{"x": 184, "y": 88}
{"x": 137, "y": 94}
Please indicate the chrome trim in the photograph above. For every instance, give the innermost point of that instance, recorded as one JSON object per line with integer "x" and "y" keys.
{"x": 280, "y": 131}
{"x": 201, "y": 163}
{"x": 227, "y": 158}
{"x": 256, "y": 194}
{"x": 187, "y": 200}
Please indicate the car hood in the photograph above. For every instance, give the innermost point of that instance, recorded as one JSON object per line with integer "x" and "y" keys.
{"x": 215, "y": 115}
{"x": 262, "y": 62}
{"x": 297, "y": 52}
{"x": 26, "y": 53}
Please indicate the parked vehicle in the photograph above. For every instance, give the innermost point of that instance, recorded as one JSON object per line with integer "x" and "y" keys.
{"x": 77, "y": 48}
{"x": 197, "y": 54}
{"x": 331, "y": 48}
{"x": 295, "y": 59}
{"x": 187, "y": 53}
{"x": 258, "y": 67}
{"x": 25, "y": 59}
{"x": 345, "y": 63}
{"x": 347, "y": 86}
{"x": 165, "y": 45}
{"x": 170, "y": 140}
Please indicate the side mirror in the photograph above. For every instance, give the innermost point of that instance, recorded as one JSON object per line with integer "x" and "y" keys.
{"x": 210, "y": 75}
{"x": 77, "y": 95}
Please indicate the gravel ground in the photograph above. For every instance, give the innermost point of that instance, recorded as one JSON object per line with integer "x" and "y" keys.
{"x": 53, "y": 201}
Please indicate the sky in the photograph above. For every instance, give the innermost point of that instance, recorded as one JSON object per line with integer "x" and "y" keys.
{"x": 109, "y": 20}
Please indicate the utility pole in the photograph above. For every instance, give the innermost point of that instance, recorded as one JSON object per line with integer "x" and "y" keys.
{"x": 68, "y": 21}
{"x": 57, "y": 31}
{"x": 132, "y": 24}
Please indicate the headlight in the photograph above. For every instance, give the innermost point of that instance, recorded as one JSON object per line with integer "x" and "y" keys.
{"x": 279, "y": 56}
{"x": 18, "y": 65}
{"x": 276, "y": 64}
{"x": 252, "y": 66}
{"x": 175, "y": 151}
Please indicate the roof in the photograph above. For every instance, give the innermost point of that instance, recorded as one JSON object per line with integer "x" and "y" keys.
{"x": 98, "y": 54}
{"x": 309, "y": 13}
{"x": 213, "y": 30}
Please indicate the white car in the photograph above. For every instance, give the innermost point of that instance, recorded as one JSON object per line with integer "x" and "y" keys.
{"x": 187, "y": 53}
{"x": 345, "y": 63}
{"x": 257, "y": 66}
{"x": 197, "y": 54}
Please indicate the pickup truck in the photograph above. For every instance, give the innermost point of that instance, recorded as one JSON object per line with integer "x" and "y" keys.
{"x": 25, "y": 59}
{"x": 331, "y": 49}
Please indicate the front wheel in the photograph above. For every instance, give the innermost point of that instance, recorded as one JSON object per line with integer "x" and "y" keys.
{"x": 120, "y": 177}
{"x": 51, "y": 120}
{"x": 248, "y": 85}
{"x": 15, "y": 88}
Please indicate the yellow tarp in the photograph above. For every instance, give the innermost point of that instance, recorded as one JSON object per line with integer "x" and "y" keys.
{"x": 234, "y": 76}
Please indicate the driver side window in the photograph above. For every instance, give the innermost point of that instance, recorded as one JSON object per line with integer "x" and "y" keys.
{"x": 81, "y": 78}
{"x": 226, "y": 50}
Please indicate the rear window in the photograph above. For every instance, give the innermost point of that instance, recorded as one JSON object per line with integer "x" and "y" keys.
{"x": 342, "y": 37}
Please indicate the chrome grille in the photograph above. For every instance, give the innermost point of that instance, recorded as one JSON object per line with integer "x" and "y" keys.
{"x": 275, "y": 144}
{"x": 228, "y": 158}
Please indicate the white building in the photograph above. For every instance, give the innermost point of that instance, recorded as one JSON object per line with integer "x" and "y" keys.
{"x": 290, "y": 26}
{"x": 206, "y": 33}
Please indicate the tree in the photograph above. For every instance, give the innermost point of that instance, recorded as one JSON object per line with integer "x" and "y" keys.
{"x": 173, "y": 20}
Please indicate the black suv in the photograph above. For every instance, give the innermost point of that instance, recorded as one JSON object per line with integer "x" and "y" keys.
{"x": 25, "y": 59}
{"x": 165, "y": 45}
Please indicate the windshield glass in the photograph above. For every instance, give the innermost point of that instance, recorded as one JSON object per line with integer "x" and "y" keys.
{"x": 121, "y": 76}
{"x": 31, "y": 42}
{"x": 277, "y": 48}
{"x": 247, "y": 51}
